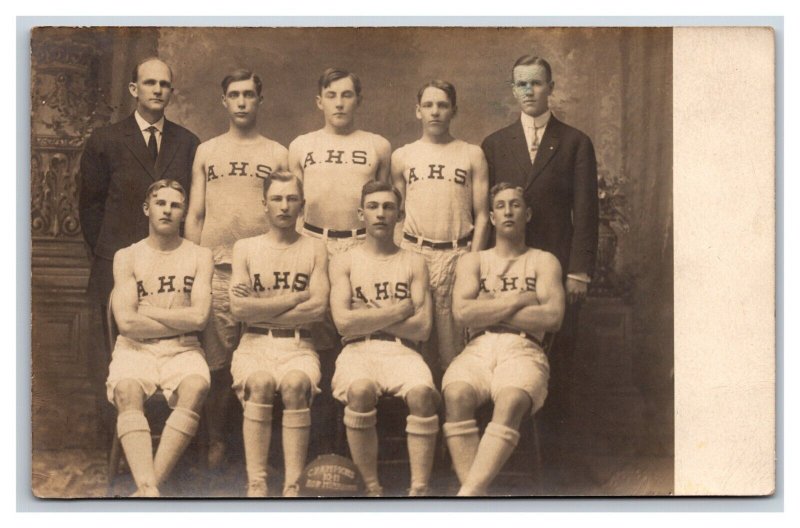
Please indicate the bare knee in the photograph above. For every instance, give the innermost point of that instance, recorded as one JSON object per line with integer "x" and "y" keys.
{"x": 510, "y": 406}
{"x": 192, "y": 391}
{"x": 295, "y": 390}
{"x": 422, "y": 401}
{"x": 128, "y": 395}
{"x": 460, "y": 401}
{"x": 260, "y": 387}
{"x": 362, "y": 395}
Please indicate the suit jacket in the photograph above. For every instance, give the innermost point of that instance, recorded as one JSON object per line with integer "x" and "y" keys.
{"x": 116, "y": 170}
{"x": 560, "y": 187}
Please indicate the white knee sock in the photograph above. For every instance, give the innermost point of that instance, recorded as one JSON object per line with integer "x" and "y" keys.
{"x": 256, "y": 433}
{"x": 296, "y": 428}
{"x": 421, "y": 440}
{"x": 496, "y": 446}
{"x": 462, "y": 441}
{"x": 362, "y": 438}
{"x": 179, "y": 429}
{"x": 134, "y": 435}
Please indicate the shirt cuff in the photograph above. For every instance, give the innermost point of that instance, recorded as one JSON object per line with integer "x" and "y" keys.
{"x": 582, "y": 277}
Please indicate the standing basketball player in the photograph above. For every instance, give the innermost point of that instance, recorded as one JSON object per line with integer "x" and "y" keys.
{"x": 507, "y": 297}
{"x": 380, "y": 304}
{"x": 279, "y": 286}
{"x": 334, "y": 163}
{"x": 161, "y": 299}
{"x": 444, "y": 182}
{"x": 225, "y": 206}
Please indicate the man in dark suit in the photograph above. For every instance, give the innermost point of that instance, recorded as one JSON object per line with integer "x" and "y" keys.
{"x": 556, "y": 166}
{"x": 118, "y": 165}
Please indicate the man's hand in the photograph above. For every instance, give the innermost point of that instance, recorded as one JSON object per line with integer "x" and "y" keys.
{"x": 241, "y": 290}
{"x": 526, "y": 298}
{"x": 576, "y": 290}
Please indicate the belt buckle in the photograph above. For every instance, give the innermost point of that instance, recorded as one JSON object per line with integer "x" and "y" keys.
{"x": 455, "y": 244}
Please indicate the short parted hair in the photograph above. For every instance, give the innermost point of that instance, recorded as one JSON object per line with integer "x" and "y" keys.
{"x": 444, "y": 86}
{"x": 529, "y": 60}
{"x": 135, "y": 71}
{"x": 334, "y": 74}
{"x": 164, "y": 184}
{"x": 241, "y": 75}
{"x": 374, "y": 186}
{"x": 502, "y": 186}
{"x": 282, "y": 176}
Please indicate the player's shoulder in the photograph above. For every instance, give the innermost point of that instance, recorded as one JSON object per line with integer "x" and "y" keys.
{"x": 244, "y": 244}
{"x": 304, "y": 139}
{"x": 210, "y": 144}
{"x": 378, "y": 141}
{"x": 342, "y": 260}
{"x": 544, "y": 258}
{"x": 472, "y": 258}
{"x": 417, "y": 261}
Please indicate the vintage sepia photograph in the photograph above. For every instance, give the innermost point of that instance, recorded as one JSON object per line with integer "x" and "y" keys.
{"x": 352, "y": 262}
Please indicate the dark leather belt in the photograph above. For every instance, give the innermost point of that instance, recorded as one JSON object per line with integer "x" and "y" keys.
{"x": 333, "y": 233}
{"x": 381, "y": 336}
{"x": 280, "y": 332}
{"x": 157, "y": 339}
{"x": 424, "y": 242}
{"x": 505, "y": 330}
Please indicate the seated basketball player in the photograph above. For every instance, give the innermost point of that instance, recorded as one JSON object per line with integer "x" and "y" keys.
{"x": 380, "y": 304}
{"x": 507, "y": 297}
{"x": 161, "y": 300}
{"x": 278, "y": 287}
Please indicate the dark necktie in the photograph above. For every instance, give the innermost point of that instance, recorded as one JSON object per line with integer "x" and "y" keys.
{"x": 152, "y": 144}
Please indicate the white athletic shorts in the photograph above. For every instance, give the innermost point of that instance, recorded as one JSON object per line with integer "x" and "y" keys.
{"x": 276, "y": 356}
{"x": 162, "y": 364}
{"x": 392, "y": 366}
{"x": 492, "y": 362}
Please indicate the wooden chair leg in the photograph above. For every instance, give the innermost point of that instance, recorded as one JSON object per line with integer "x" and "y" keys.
{"x": 114, "y": 458}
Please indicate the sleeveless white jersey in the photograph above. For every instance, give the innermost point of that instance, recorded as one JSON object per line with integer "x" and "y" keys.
{"x": 502, "y": 277}
{"x": 235, "y": 175}
{"x": 164, "y": 278}
{"x": 275, "y": 270}
{"x": 379, "y": 281}
{"x": 335, "y": 168}
{"x": 438, "y": 190}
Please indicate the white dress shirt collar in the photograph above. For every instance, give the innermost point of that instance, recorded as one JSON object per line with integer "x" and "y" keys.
{"x": 144, "y": 125}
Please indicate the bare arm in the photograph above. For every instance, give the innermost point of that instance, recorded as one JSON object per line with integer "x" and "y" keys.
{"x": 384, "y": 169}
{"x": 315, "y": 307}
{"x": 245, "y": 306}
{"x": 125, "y": 304}
{"x": 480, "y": 199}
{"x": 547, "y": 314}
{"x": 196, "y": 214}
{"x": 194, "y": 317}
{"x": 470, "y": 311}
{"x": 294, "y": 159}
{"x": 363, "y": 321}
{"x": 418, "y": 326}
{"x": 398, "y": 166}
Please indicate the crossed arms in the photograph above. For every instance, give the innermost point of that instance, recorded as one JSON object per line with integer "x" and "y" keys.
{"x": 531, "y": 311}
{"x": 142, "y": 321}
{"x": 291, "y": 309}
{"x": 408, "y": 318}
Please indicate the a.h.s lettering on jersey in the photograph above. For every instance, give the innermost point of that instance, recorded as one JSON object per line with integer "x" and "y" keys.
{"x": 165, "y": 284}
{"x": 281, "y": 282}
{"x": 437, "y": 172}
{"x": 238, "y": 168}
{"x": 505, "y": 284}
{"x": 337, "y": 157}
{"x": 384, "y": 291}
